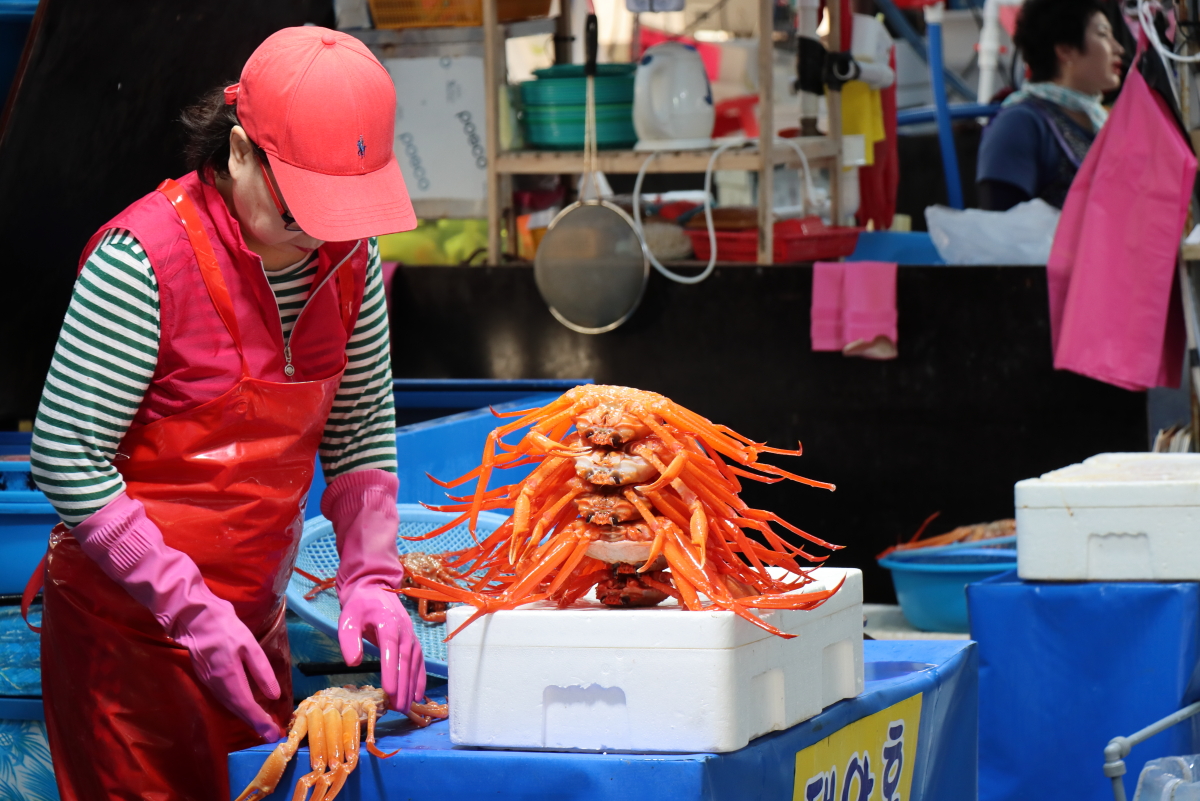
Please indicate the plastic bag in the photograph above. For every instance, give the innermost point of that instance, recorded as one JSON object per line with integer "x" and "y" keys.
{"x": 1021, "y": 235}
{"x": 1169, "y": 779}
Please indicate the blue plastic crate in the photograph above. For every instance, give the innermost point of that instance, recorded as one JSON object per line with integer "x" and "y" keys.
{"x": 319, "y": 557}
{"x": 16, "y": 17}
{"x": 15, "y": 443}
{"x": 26, "y": 518}
{"x": 446, "y": 447}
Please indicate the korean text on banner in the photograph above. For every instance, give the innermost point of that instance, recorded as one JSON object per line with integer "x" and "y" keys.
{"x": 868, "y": 760}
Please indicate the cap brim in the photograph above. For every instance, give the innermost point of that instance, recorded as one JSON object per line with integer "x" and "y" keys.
{"x": 342, "y": 208}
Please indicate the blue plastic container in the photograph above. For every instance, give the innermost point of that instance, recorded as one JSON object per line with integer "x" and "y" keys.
{"x": 26, "y": 518}
{"x": 15, "y": 443}
{"x": 16, "y": 16}
{"x": 931, "y": 587}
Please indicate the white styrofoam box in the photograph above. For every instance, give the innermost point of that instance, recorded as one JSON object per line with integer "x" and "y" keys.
{"x": 1115, "y": 517}
{"x": 592, "y": 678}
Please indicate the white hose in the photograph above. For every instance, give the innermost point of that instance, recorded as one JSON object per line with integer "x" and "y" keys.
{"x": 712, "y": 233}
{"x": 1145, "y": 10}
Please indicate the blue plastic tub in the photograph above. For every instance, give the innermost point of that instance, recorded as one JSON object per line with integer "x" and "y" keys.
{"x": 16, "y": 16}
{"x": 26, "y": 518}
{"x": 931, "y": 587}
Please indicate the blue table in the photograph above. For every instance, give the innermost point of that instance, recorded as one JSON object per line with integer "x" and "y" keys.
{"x": 1065, "y": 666}
{"x": 429, "y": 768}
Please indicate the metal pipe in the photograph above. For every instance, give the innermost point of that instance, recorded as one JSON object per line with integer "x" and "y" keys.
{"x": 1119, "y": 747}
{"x": 933, "y": 28}
{"x": 900, "y": 24}
{"x": 916, "y": 116}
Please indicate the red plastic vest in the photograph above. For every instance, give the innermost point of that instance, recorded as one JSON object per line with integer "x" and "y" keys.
{"x": 197, "y": 360}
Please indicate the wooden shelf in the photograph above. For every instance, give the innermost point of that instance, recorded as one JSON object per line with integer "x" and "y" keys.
{"x": 502, "y": 166}
{"x": 399, "y": 37}
{"x": 551, "y": 162}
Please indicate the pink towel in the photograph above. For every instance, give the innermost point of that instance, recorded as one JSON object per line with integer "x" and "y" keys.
{"x": 1115, "y": 311}
{"x": 854, "y": 308}
{"x": 826, "y": 324}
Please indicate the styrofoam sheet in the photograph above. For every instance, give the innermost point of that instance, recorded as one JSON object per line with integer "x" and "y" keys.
{"x": 1114, "y": 517}
{"x": 659, "y": 679}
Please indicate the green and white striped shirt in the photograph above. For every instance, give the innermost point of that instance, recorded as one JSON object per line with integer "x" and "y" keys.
{"x": 108, "y": 350}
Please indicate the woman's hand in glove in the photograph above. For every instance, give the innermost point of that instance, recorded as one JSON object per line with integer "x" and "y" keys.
{"x": 129, "y": 548}
{"x": 362, "y": 507}
{"x": 378, "y": 615}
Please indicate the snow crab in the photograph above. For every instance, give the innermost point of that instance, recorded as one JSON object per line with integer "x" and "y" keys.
{"x": 633, "y": 495}
{"x": 332, "y": 720}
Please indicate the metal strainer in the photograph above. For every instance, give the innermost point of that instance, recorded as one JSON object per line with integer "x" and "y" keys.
{"x": 590, "y": 267}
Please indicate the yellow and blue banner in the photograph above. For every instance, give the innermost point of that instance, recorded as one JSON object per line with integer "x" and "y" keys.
{"x": 868, "y": 760}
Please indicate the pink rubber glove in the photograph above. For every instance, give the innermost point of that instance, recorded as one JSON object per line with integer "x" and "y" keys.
{"x": 129, "y": 548}
{"x": 362, "y": 507}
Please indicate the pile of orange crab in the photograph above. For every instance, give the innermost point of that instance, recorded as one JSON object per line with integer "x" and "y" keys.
{"x": 635, "y": 497}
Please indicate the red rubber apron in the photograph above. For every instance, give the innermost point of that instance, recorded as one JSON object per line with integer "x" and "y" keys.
{"x": 225, "y": 482}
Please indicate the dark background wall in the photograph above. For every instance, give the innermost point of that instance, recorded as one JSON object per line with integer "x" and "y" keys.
{"x": 92, "y": 126}
{"x": 971, "y": 406}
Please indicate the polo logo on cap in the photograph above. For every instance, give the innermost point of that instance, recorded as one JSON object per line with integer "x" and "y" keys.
{"x": 362, "y": 148}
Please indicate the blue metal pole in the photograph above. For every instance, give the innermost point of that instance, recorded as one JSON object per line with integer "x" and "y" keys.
{"x": 933, "y": 30}
{"x": 899, "y": 23}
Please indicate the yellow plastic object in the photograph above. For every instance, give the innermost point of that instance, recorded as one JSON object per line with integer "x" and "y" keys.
{"x": 862, "y": 113}
{"x": 437, "y": 243}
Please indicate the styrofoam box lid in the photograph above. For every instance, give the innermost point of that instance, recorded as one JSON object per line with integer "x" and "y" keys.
{"x": 590, "y": 624}
{"x": 1117, "y": 479}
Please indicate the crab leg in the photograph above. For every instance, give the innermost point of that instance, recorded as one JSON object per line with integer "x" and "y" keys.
{"x": 648, "y": 516}
{"x": 575, "y": 586}
{"x": 572, "y": 562}
{"x": 272, "y": 770}
{"x": 661, "y": 587}
{"x": 332, "y": 721}
{"x": 759, "y": 514}
{"x": 371, "y": 747}
{"x": 350, "y": 734}
{"x": 316, "y": 758}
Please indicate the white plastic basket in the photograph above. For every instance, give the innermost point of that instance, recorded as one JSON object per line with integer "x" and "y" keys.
{"x": 319, "y": 557}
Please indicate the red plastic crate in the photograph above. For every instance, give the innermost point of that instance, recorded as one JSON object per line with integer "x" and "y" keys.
{"x": 806, "y": 239}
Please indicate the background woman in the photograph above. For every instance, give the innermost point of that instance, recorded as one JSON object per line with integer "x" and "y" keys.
{"x": 1036, "y": 143}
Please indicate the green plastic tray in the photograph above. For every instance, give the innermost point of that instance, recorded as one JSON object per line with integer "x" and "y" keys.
{"x": 576, "y": 70}
{"x": 569, "y": 136}
{"x": 573, "y": 91}
{"x": 615, "y": 112}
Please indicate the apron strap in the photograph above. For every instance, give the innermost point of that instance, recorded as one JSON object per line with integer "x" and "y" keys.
{"x": 210, "y": 268}
{"x": 31, "y": 590}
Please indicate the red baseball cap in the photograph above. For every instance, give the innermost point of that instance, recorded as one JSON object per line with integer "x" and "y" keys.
{"x": 324, "y": 109}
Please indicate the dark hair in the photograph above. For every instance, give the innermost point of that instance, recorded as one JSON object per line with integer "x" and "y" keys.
{"x": 207, "y": 124}
{"x": 1043, "y": 24}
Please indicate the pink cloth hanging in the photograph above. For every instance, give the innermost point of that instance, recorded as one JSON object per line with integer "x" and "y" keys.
{"x": 826, "y": 319}
{"x": 1114, "y": 299}
{"x": 854, "y": 308}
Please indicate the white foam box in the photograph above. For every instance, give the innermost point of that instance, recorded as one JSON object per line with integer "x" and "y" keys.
{"x": 1115, "y": 517}
{"x": 659, "y": 679}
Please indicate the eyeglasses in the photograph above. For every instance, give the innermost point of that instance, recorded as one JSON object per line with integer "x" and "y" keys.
{"x": 289, "y": 222}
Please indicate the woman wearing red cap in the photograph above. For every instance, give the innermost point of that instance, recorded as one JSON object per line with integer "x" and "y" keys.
{"x": 224, "y": 329}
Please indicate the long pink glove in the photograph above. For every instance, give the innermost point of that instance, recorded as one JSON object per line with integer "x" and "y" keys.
{"x": 129, "y": 548}
{"x": 362, "y": 507}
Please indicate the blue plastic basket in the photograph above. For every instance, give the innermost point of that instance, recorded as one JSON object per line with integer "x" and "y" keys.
{"x": 931, "y": 582}
{"x": 318, "y": 556}
{"x": 26, "y": 518}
